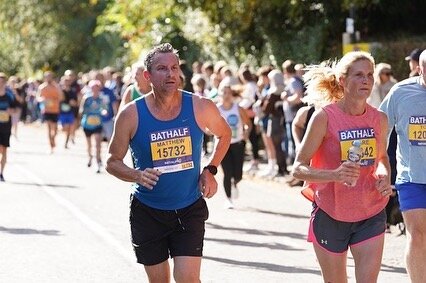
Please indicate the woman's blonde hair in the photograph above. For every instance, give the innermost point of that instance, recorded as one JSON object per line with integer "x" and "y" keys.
{"x": 322, "y": 81}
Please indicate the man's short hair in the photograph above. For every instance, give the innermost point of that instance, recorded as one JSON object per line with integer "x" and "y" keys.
{"x": 162, "y": 48}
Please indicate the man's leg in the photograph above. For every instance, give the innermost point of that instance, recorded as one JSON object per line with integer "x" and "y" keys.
{"x": 187, "y": 269}
{"x": 415, "y": 253}
{"x": 159, "y": 273}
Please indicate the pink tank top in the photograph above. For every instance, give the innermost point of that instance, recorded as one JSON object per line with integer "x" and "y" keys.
{"x": 349, "y": 204}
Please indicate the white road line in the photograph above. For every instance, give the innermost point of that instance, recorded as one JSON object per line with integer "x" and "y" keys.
{"x": 91, "y": 224}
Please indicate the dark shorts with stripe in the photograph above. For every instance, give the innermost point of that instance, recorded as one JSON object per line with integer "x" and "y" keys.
{"x": 336, "y": 236}
{"x": 158, "y": 234}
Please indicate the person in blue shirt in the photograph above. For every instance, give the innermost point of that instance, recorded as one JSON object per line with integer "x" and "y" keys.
{"x": 7, "y": 102}
{"x": 405, "y": 106}
{"x": 92, "y": 109}
{"x": 164, "y": 130}
{"x": 110, "y": 100}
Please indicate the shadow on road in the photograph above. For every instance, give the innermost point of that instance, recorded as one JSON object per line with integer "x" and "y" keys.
{"x": 272, "y": 246}
{"x": 256, "y": 232}
{"x": 394, "y": 269}
{"x": 28, "y": 231}
{"x": 44, "y": 185}
{"x": 290, "y": 215}
{"x": 264, "y": 266}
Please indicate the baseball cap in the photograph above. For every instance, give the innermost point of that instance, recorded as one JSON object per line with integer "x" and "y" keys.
{"x": 414, "y": 55}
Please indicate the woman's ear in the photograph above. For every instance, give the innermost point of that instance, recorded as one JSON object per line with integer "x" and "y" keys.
{"x": 342, "y": 81}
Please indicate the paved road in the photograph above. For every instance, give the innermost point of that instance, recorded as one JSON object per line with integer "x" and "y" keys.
{"x": 62, "y": 222}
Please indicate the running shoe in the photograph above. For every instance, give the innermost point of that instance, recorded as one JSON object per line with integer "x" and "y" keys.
{"x": 228, "y": 203}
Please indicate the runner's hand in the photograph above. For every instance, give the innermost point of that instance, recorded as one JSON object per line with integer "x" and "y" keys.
{"x": 348, "y": 172}
{"x": 149, "y": 177}
{"x": 383, "y": 185}
{"x": 207, "y": 184}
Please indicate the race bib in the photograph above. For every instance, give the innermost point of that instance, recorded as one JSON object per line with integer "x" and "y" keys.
{"x": 171, "y": 150}
{"x": 93, "y": 120}
{"x": 65, "y": 107}
{"x": 233, "y": 124}
{"x": 368, "y": 144}
{"x": 417, "y": 130}
{"x": 4, "y": 116}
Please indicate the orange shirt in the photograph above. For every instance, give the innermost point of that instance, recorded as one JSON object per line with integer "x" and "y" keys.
{"x": 51, "y": 98}
{"x": 341, "y": 202}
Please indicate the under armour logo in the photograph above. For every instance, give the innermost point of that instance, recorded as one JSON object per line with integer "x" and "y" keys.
{"x": 324, "y": 242}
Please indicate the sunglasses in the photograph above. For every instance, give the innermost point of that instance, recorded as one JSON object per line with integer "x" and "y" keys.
{"x": 387, "y": 73}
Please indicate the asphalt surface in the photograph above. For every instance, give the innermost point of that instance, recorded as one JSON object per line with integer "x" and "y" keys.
{"x": 62, "y": 222}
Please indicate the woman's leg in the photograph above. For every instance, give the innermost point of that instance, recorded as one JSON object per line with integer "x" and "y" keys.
{"x": 238, "y": 161}
{"x": 333, "y": 266}
{"x": 67, "y": 129}
{"x": 98, "y": 151}
{"x": 368, "y": 258}
{"x": 227, "y": 168}
{"x": 89, "y": 149}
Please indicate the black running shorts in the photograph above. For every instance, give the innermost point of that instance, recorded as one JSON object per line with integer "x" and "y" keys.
{"x": 5, "y": 139}
{"x": 51, "y": 117}
{"x": 158, "y": 234}
{"x": 336, "y": 236}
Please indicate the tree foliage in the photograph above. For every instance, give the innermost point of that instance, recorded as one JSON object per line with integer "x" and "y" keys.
{"x": 83, "y": 34}
{"x": 51, "y": 34}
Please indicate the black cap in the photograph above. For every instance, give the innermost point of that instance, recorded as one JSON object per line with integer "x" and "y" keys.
{"x": 414, "y": 55}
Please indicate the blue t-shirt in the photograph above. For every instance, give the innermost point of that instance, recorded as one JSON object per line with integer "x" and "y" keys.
{"x": 109, "y": 100}
{"x": 174, "y": 148}
{"x": 91, "y": 117}
{"x": 7, "y": 101}
{"x": 405, "y": 106}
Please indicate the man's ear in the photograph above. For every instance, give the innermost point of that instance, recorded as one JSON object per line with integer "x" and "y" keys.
{"x": 146, "y": 75}
{"x": 418, "y": 70}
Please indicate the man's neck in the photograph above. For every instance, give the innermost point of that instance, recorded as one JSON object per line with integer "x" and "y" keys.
{"x": 166, "y": 100}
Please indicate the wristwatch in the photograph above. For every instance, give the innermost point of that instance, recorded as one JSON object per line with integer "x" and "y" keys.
{"x": 212, "y": 169}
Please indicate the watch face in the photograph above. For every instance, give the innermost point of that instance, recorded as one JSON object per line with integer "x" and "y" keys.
{"x": 212, "y": 169}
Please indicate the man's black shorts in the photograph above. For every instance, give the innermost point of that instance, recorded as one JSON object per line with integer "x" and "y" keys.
{"x": 156, "y": 234}
{"x": 5, "y": 139}
{"x": 51, "y": 117}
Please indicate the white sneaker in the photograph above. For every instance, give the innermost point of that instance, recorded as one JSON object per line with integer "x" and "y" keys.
{"x": 268, "y": 173}
{"x": 234, "y": 192}
{"x": 228, "y": 203}
{"x": 252, "y": 168}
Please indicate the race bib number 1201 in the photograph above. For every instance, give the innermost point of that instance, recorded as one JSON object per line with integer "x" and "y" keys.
{"x": 417, "y": 130}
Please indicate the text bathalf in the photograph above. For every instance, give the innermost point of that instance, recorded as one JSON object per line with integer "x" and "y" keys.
{"x": 170, "y": 134}
{"x": 356, "y": 134}
{"x": 418, "y": 120}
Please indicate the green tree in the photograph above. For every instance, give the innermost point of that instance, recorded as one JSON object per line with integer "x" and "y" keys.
{"x": 53, "y": 34}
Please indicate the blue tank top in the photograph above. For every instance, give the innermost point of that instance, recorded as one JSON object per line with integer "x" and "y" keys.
{"x": 174, "y": 148}
{"x": 92, "y": 118}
